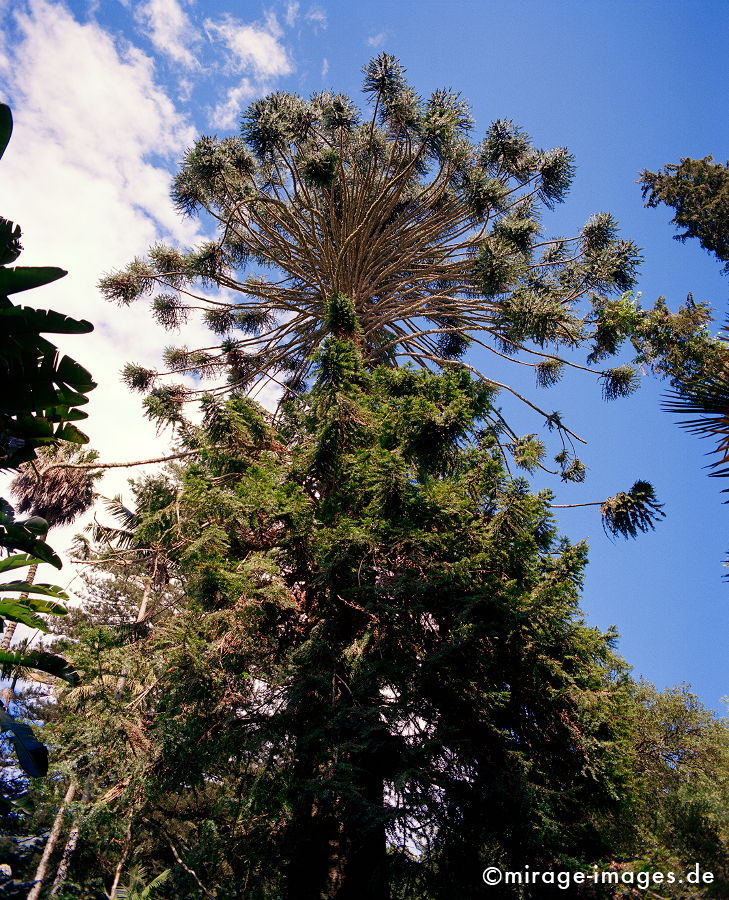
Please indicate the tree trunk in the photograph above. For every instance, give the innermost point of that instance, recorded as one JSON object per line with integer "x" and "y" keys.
{"x": 141, "y": 613}
{"x": 365, "y": 874}
{"x": 70, "y": 848}
{"x": 338, "y": 848}
{"x": 42, "y": 870}
{"x": 122, "y": 859}
{"x": 337, "y": 844}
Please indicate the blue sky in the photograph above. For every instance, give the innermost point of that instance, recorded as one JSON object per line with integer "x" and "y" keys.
{"x": 108, "y": 94}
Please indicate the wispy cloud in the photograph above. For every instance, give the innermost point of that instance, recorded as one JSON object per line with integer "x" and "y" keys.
{"x": 169, "y": 29}
{"x": 225, "y": 114}
{"x": 317, "y": 16}
{"x": 377, "y": 40}
{"x": 292, "y": 14}
{"x": 324, "y": 67}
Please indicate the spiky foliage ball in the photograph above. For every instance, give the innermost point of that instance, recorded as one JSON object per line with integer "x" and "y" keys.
{"x": 629, "y": 512}
{"x": 619, "y": 382}
{"x": 137, "y": 377}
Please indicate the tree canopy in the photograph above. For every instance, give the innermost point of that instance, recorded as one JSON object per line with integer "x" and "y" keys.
{"x": 698, "y": 192}
{"x": 436, "y": 239}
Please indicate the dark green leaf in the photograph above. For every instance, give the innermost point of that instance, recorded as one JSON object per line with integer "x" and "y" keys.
{"x": 18, "y": 561}
{"x": 32, "y": 755}
{"x": 50, "y": 663}
{"x": 24, "y": 278}
{"x": 22, "y": 587}
{"x": 17, "y": 611}
{"x": 26, "y": 320}
{"x": 6, "y": 126}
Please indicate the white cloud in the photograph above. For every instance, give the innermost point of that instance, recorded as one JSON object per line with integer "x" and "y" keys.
{"x": 184, "y": 89}
{"x": 272, "y": 25}
{"x": 377, "y": 40}
{"x": 317, "y": 16}
{"x": 324, "y": 67}
{"x": 292, "y": 13}
{"x": 253, "y": 49}
{"x": 169, "y": 29}
{"x": 225, "y": 114}
{"x": 83, "y": 177}
{"x": 87, "y": 177}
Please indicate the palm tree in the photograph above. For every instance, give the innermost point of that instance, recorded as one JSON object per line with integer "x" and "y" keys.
{"x": 59, "y": 495}
{"x": 706, "y": 400}
{"x": 56, "y": 493}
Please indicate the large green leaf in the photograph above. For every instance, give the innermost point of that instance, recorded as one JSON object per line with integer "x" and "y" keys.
{"x": 18, "y": 561}
{"x": 6, "y": 126}
{"x": 22, "y": 587}
{"x": 15, "y": 536}
{"x": 38, "y": 381}
{"x": 71, "y": 434}
{"x": 50, "y": 663}
{"x": 45, "y": 606}
{"x": 25, "y": 278}
{"x": 26, "y": 320}
{"x": 18, "y": 611}
{"x": 10, "y": 246}
{"x": 32, "y": 755}
{"x": 65, "y": 414}
{"x": 21, "y": 803}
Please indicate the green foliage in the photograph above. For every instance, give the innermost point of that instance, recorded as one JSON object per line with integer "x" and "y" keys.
{"x": 620, "y": 382}
{"x": 341, "y": 317}
{"x": 41, "y": 392}
{"x": 676, "y": 346}
{"x": 40, "y": 408}
{"x": 528, "y": 452}
{"x": 25, "y": 535}
{"x": 698, "y": 192}
{"x": 321, "y": 168}
{"x": 372, "y": 609}
{"x": 706, "y": 400}
{"x": 49, "y": 663}
{"x": 681, "y": 776}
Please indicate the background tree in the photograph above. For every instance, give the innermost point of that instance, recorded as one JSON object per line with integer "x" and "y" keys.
{"x": 698, "y": 192}
{"x": 681, "y": 808}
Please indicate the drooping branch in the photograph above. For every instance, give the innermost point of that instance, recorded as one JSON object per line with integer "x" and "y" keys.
{"x": 125, "y": 465}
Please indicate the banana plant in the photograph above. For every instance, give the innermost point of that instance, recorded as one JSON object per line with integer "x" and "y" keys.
{"x": 40, "y": 395}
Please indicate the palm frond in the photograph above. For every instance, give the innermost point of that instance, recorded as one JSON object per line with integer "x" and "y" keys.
{"x": 706, "y": 402}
